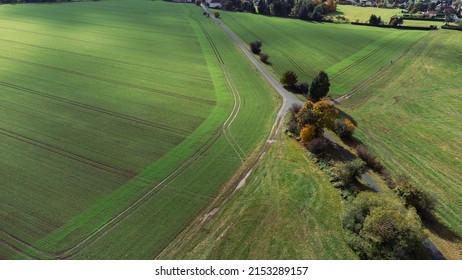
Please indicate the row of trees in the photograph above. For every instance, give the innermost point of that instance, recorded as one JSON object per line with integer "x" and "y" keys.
{"x": 303, "y": 9}
{"x": 38, "y": 1}
{"x": 377, "y": 225}
{"x": 316, "y": 91}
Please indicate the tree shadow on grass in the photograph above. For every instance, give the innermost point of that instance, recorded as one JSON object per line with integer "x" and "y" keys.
{"x": 438, "y": 228}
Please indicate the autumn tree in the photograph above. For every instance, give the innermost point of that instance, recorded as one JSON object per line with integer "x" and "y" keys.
{"x": 344, "y": 127}
{"x": 307, "y": 133}
{"x": 289, "y": 79}
{"x": 319, "y": 86}
{"x": 321, "y": 114}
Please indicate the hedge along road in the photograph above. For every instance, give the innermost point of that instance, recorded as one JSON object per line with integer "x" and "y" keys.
{"x": 289, "y": 100}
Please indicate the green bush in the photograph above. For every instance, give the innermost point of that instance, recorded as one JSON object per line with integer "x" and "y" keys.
{"x": 379, "y": 227}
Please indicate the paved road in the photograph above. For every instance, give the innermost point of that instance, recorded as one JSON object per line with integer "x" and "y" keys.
{"x": 289, "y": 99}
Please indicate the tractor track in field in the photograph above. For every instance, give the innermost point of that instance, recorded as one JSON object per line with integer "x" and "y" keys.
{"x": 127, "y": 212}
{"x": 111, "y": 81}
{"x": 94, "y": 108}
{"x": 125, "y": 174}
{"x": 294, "y": 64}
{"x": 371, "y": 78}
{"x": 106, "y": 59}
{"x": 348, "y": 67}
{"x": 85, "y": 41}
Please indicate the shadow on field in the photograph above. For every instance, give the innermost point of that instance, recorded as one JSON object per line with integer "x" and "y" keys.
{"x": 436, "y": 227}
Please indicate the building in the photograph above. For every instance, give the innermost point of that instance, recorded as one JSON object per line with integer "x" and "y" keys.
{"x": 216, "y": 4}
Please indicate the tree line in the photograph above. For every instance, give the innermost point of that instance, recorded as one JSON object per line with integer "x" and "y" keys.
{"x": 302, "y": 9}
{"x": 39, "y": 1}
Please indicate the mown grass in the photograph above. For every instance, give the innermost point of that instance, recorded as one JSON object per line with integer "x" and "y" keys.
{"x": 410, "y": 117}
{"x": 287, "y": 209}
{"x": 350, "y": 54}
{"x": 100, "y": 102}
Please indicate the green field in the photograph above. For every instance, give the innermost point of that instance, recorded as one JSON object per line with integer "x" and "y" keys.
{"x": 286, "y": 210}
{"x": 120, "y": 121}
{"x": 349, "y": 54}
{"x": 410, "y": 116}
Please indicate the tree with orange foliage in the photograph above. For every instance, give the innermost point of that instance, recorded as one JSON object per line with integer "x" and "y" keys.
{"x": 319, "y": 115}
{"x": 307, "y": 133}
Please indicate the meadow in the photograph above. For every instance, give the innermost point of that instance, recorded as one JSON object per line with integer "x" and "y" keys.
{"x": 117, "y": 113}
{"x": 410, "y": 116}
{"x": 287, "y": 209}
{"x": 349, "y": 54}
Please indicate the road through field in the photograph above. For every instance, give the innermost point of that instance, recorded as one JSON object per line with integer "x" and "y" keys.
{"x": 289, "y": 100}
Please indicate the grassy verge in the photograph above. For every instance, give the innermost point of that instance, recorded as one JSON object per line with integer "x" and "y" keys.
{"x": 287, "y": 209}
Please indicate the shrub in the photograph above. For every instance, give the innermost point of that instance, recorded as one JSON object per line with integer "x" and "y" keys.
{"x": 292, "y": 127}
{"x": 344, "y": 128}
{"x": 422, "y": 201}
{"x": 302, "y": 87}
{"x": 371, "y": 161}
{"x": 264, "y": 58}
{"x": 318, "y": 145}
{"x": 379, "y": 227}
{"x": 307, "y": 133}
{"x": 289, "y": 79}
{"x": 255, "y": 46}
{"x": 216, "y": 14}
{"x": 348, "y": 172}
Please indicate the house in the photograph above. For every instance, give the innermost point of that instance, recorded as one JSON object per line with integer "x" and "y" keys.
{"x": 216, "y": 4}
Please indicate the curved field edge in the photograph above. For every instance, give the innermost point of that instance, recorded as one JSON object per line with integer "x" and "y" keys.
{"x": 91, "y": 220}
{"x": 286, "y": 209}
{"x": 410, "y": 117}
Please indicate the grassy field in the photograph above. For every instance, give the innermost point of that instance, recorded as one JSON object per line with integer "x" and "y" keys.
{"x": 363, "y": 14}
{"x": 286, "y": 210}
{"x": 410, "y": 116}
{"x": 350, "y": 54}
{"x": 98, "y": 131}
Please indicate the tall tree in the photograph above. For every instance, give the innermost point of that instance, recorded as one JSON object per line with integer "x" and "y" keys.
{"x": 319, "y": 86}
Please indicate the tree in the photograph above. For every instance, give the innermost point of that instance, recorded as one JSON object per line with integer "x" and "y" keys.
{"x": 289, "y": 79}
{"x": 319, "y": 86}
{"x": 374, "y": 20}
{"x": 396, "y": 20}
{"x": 379, "y": 227}
{"x": 302, "y": 87}
{"x": 216, "y": 14}
{"x": 307, "y": 133}
{"x": 255, "y": 46}
{"x": 198, "y": 2}
{"x": 344, "y": 128}
{"x": 321, "y": 114}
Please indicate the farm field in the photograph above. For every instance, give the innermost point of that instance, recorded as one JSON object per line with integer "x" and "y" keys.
{"x": 98, "y": 131}
{"x": 349, "y": 54}
{"x": 410, "y": 116}
{"x": 287, "y": 209}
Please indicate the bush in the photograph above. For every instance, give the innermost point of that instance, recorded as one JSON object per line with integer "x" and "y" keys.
{"x": 348, "y": 172}
{"x": 264, "y": 58}
{"x": 344, "y": 128}
{"x": 302, "y": 87}
{"x": 379, "y": 227}
{"x": 289, "y": 79}
{"x": 255, "y": 46}
{"x": 422, "y": 201}
{"x": 216, "y": 14}
{"x": 318, "y": 145}
{"x": 371, "y": 161}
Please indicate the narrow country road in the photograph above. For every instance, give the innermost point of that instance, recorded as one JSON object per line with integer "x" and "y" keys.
{"x": 289, "y": 99}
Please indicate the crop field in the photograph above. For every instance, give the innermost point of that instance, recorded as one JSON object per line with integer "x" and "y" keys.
{"x": 411, "y": 117}
{"x": 362, "y": 14}
{"x": 119, "y": 121}
{"x": 349, "y": 54}
{"x": 286, "y": 210}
